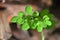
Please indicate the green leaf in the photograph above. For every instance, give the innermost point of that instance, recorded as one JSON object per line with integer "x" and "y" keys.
{"x": 44, "y": 25}
{"x": 44, "y": 12}
{"x": 36, "y": 13}
{"x": 36, "y": 20}
{"x": 49, "y": 23}
{"x": 29, "y": 10}
{"x": 20, "y": 21}
{"x": 21, "y": 14}
{"x": 33, "y": 25}
{"x": 14, "y": 19}
{"x": 39, "y": 29}
{"x": 31, "y": 22}
{"x": 52, "y": 26}
{"x": 26, "y": 20}
{"x": 45, "y": 17}
{"x": 25, "y": 26}
{"x": 40, "y": 26}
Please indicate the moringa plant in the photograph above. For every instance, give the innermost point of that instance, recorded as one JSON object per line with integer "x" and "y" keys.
{"x": 34, "y": 20}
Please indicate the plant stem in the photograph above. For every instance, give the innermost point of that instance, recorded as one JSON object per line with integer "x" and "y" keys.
{"x": 43, "y": 36}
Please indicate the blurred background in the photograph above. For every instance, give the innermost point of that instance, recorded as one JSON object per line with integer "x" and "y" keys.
{"x": 13, "y": 31}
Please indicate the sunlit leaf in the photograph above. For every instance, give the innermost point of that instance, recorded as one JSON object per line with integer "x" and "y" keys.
{"x": 44, "y": 25}
{"x": 39, "y": 28}
{"x": 33, "y": 26}
{"x": 46, "y": 17}
{"x": 25, "y": 26}
{"x": 21, "y": 14}
{"x": 14, "y": 19}
{"x": 36, "y": 20}
{"x": 36, "y": 13}
{"x": 20, "y": 21}
{"x": 31, "y": 22}
{"x": 49, "y": 23}
{"x": 29, "y": 10}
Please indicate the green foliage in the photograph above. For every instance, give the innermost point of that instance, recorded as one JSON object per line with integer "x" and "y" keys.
{"x": 52, "y": 26}
{"x": 51, "y": 16}
{"x": 49, "y": 23}
{"x": 35, "y": 20}
{"x": 20, "y": 21}
{"x": 21, "y": 14}
{"x": 40, "y": 26}
{"x": 36, "y": 13}
{"x": 33, "y": 24}
{"x": 45, "y": 17}
{"x": 14, "y": 19}
{"x": 29, "y": 10}
{"x": 25, "y": 26}
{"x": 44, "y": 12}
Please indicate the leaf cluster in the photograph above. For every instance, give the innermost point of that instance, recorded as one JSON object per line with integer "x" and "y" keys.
{"x": 34, "y": 20}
